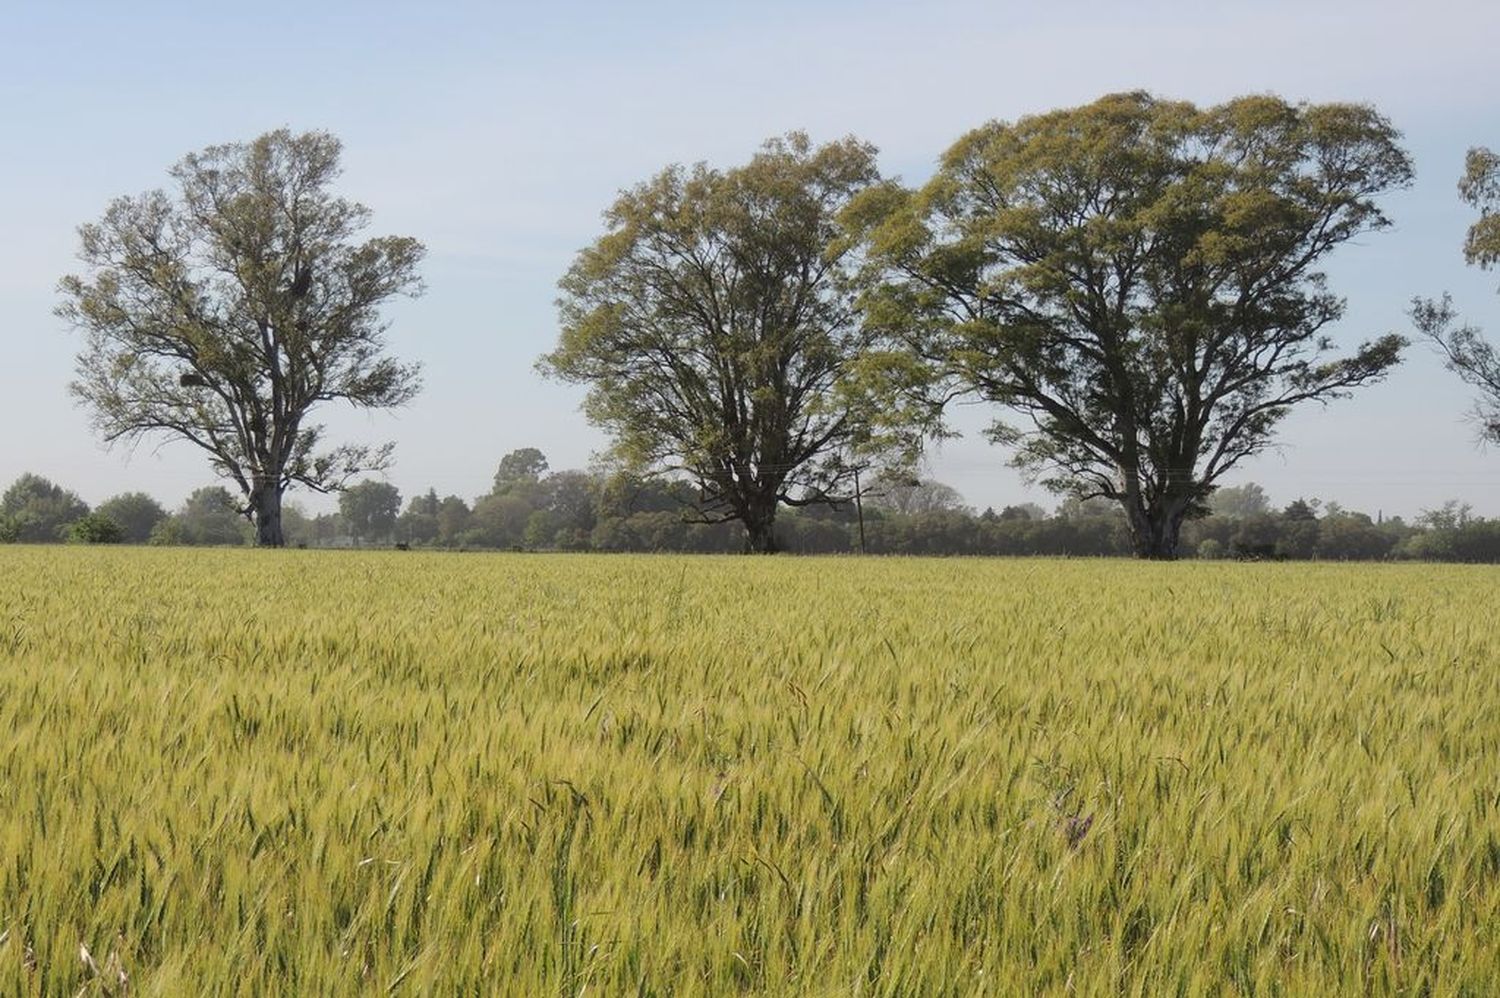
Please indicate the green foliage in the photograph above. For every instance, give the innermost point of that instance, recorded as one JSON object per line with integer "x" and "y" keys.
{"x": 136, "y": 513}
{"x": 1136, "y": 279}
{"x": 210, "y": 516}
{"x": 1480, "y": 189}
{"x": 539, "y": 775}
{"x": 715, "y": 326}
{"x": 229, "y": 311}
{"x": 35, "y": 510}
{"x": 1467, "y": 353}
{"x": 1301, "y": 509}
{"x": 499, "y": 521}
{"x": 520, "y": 469}
{"x": 298, "y": 528}
{"x": 96, "y": 528}
{"x": 1351, "y": 537}
{"x": 1476, "y": 541}
{"x": 453, "y": 517}
{"x": 370, "y": 509}
{"x": 1239, "y": 501}
{"x": 1451, "y": 515}
{"x": 582, "y": 511}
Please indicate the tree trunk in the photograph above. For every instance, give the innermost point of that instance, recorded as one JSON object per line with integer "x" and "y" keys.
{"x": 760, "y": 534}
{"x": 267, "y": 503}
{"x": 1154, "y": 533}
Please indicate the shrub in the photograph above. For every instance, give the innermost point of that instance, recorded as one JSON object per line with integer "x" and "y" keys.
{"x": 96, "y": 528}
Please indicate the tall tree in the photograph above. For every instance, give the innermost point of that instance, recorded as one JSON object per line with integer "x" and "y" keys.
{"x": 715, "y": 324}
{"x": 227, "y": 312}
{"x": 1139, "y": 280}
{"x": 1466, "y": 351}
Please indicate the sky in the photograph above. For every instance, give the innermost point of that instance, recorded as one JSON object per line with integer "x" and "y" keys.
{"x": 497, "y": 133}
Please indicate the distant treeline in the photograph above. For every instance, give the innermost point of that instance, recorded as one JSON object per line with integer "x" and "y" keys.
{"x": 533, "y": 509}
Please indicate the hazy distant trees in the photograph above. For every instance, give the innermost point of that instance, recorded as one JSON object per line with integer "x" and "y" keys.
{"x": 1467, "y": 352}
{"x": 1353, "y": 537}
{"x": 209, "y": 516}
{"x": 299, "y": 528}
{"x": 572, "y": 510}
{"x": 428, "y": 520}
{"x": 1137, "y": 279}
{"x": 908, "y": 495}
{"x": 1239, "y": 501}
{"x": 34, "y": 509}
{"x": 452, "y": 521}
{"x": 136, "y": 513}
{"x": 715, "y": 325}
{"x": 1452, "y": 533}
{"x": 228, "y": 312}
{"x": 499, "y": 520}
{"x": 1452, "y": 515}
{"x": 370, "y": 509}
{"x": 418, "y": 523}
{"x": 520, "y": 469}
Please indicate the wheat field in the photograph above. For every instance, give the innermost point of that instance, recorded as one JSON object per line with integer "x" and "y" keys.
{"x": 246, "y": 772}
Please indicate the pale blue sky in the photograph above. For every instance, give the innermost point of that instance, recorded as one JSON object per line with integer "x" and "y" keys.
{"x": 497, "y": 133}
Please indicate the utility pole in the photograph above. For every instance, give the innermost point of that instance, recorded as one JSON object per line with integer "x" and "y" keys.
{"x": 859, "y": 509}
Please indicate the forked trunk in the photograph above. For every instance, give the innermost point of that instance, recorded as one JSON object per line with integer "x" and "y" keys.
{"x": 267, "y": 508}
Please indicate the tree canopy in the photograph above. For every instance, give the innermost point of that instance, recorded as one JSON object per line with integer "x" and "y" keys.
{"x": 1465, "y": 350}
{"x": 1138, "y": 280}
{"x": 226, "y": 312}
{"x": 715, "y": 325}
